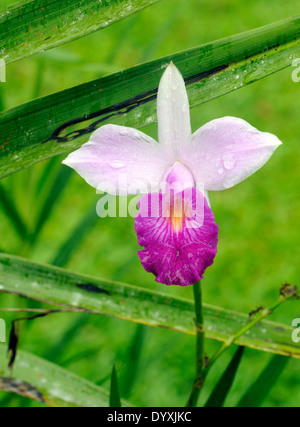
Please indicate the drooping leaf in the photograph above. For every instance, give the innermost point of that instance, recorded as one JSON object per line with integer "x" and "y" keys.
{"x": 60, "y": 287}
{"x": 63, "y": 121}
{"x": 222, "y": 388}
{"x": 13, "y": 344}
{"x": 33, "y": 26}
{"x": 259, "y": 390}
{"x": 50, "y": 384}
{"x": 114, "y": 397}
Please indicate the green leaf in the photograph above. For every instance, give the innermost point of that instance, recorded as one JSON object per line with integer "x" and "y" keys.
{"x": 46, "y": 178}
{"x": 12, "y": 213}
{"x": 54, "y": 285}
{"x": 114, "y": 398}
{"x": 50, "y": 384}
{"x": 61, "y": 122}
{"x": 86, "y": 223}
{"x": 57, "y": 352}
{"x": 33, "y": 26}
{"x": 1, "y": 99}
{"x": 259, "y": 390}
{"x": 55, "y": 192}
{"x": 221, "y": 390}
{"x": 133, "y": 359}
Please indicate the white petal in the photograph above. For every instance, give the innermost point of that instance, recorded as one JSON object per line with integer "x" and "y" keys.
{"x": 173, "y": 114}
{"x": 120, "y": 160}
{"x": 226, "y": 151}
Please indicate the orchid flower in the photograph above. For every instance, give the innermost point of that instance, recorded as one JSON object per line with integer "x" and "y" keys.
{"x": 175, "y": 223}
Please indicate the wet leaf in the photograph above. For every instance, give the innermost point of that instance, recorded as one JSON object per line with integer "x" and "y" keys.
{"x": 38, "y": 379}
{"x": 54, "y": 285}
{"x": 33, "y": 26}
{"x": 63, "y": 121}
{"x": 222, "y": 388}
{"x": 114, "y": 397}
{"x": 259, "y": 390}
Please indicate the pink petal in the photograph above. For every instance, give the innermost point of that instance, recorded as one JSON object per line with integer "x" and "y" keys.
{"x": 178, "y": 248}
{"x": 177, "y": 178}
{"x": 173, "y": 114}
{"x": 226, "y": 151}
{"x": 120, "y": 160}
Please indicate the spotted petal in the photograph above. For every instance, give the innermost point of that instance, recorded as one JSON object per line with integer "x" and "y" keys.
{"x": 226, "y": 151}
{"x": 179, "y": 246}
{"x": 120, "y": 160}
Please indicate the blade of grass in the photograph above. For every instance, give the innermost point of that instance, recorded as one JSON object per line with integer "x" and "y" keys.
{"x": 54, "y": 285}
{"x": 33, "y": 26}
{"x": 61, "y": 122}
{"x": 88, "y": 354}
{"x": 108, "y": 376}
{"x": 133, "y": 359}
{"x": 47, "y": 383}
{"x": 46, "y": 177}
{"x": 114, "y": 397}
{"x": 86, "y": 223}
{"x": 57, "y": 189}
{"x": 222, "y": 388}
{"x": 259, "y": 390}
{"x": 57, "y": 353}
{"x": 12, "y": 214}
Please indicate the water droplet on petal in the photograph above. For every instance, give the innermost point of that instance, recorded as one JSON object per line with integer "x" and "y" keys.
{"x": 116, "y": 164}
{"x": 228, "y": 161}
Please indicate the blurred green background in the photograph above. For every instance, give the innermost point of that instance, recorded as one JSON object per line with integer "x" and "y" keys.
{"x": 258, "y": 219}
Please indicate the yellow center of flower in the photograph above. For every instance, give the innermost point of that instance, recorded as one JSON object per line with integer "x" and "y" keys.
{"x": 178, "y": 211}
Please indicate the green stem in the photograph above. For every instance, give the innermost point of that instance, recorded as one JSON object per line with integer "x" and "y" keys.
{"x": 200, "y": 358}
{"x": 258, "y": 318}
{"x": 202, "y": 369}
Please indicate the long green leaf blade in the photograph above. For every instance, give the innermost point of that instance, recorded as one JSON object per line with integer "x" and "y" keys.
{"x": 63, "y": 121}
{"x": 114, "y": 398}
{"x": 259, "y": 390}
{"x": 55, "y": 192}
{"x": 13, "y": 215}
{"x": 33, "y": 26}
{"x": 50, "y": 384}
{"x": 74, "y": 240}
{"x": 135, "y": 350}
{"x": 57, "y": 286}
{"x": 222, "y": 388}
